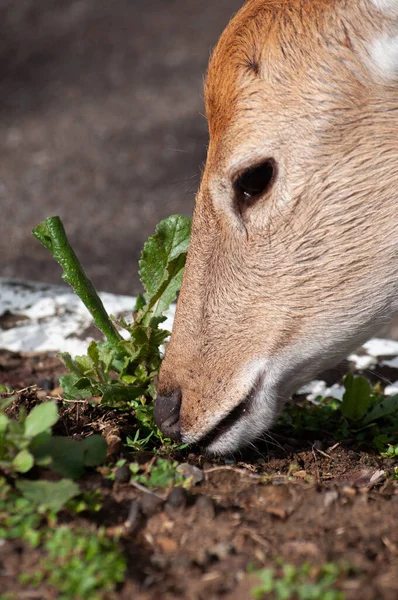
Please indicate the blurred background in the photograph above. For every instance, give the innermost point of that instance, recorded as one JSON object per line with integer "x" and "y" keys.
{"x": 101, "y": 122}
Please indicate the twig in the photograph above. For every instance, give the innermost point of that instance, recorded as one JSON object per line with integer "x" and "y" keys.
{"x": 334, "y": 447}
{"x": 316, "y": 465}
{"x": 321, "y": 452}
{"x": 142, "y": 488}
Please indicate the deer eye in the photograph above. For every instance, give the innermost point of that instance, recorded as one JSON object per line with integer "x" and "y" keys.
{"x": 255, "y": 182}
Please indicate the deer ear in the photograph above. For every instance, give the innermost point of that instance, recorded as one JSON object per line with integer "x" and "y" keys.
{"x": 384, "y": 54}
{"x": 387, "y": 6}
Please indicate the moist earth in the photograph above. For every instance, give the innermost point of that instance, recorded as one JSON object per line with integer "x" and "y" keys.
{"x": 292, "y": 500}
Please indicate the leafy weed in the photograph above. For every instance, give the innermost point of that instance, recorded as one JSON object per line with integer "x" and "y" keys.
{"x": 299, "y": 583}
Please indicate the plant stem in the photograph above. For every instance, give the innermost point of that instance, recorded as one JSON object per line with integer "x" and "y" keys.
{"x": 51, "y": 234}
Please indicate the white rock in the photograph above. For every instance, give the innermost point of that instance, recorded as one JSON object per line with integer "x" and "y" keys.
{"x": 319, "y": 388}
{"x": 379, "y": 347}
{"x": 390, "y": 363}
{"x": 56, "y": 317}
{"x": 391, "y": 389}
{"x": 362, "y": 362}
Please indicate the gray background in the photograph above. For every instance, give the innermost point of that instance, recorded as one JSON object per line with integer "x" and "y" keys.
{"x": 101, "y": 122}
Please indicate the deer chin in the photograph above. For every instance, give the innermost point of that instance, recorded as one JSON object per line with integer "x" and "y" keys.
{"x": 245, "y": 423}
{"x": 270, "y": 383}
{"x": 232, "y": 429}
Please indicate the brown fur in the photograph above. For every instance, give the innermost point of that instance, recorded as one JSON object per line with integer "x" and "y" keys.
{"x": 311, "y": 268}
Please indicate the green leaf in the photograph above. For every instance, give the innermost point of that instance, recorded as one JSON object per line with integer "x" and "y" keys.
{"x": 4, "y": 420}
{"x": 6, "y": 402}
{"x": 71, "y": 391}
{"x": 119, "y": 395}
{"x": 42, "y": 417}
{"x": 381, "y": 409}
{"x": 162, "y": 263}
{"x": 67, "y": 455}
{"x": 94, "y": 448}
{"x": 83, "y": 384}
{"x": 356, "y": 398}
{"x": 70, "y": 364}
{"x": 52, "y": 495}
{"x": 23, "y": 461}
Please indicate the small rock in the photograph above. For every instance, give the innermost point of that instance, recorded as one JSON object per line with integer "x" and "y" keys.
{"x": 330, "y": 498}
{"x": 167, "y": 545}
{"x": 301, "y": 475}
{"x": 58, "y": 391}
{"x": 205, "y": 507}
{"x": 348, "y": 491}
{"x": 134, "y": 517}
{"x": 114, "y": 444}
{"x": 177, "y": 498}
{"x": 277, "y": 511}
{"x": 122, "y": 474}
{"x": 150, "y": 504}
{"x": 220, "y": 551}
{"x": 377, "y": 477}
{"x": 190, "y": 472}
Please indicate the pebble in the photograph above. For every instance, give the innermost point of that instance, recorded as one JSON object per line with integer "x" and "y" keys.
{"x": 122, "y": 474}
{"x": 377, "y": 477}
{"x": 58, "y": 391}
{"x": 178, "y": 498}
{"x": 330, "y": 498}
{"x": 167, "y": 545}
{"x": 348, "y": 491}
{"x": 220, "y": 551}
{"x": 205, "y": 507}
{"x": 190, "y": 472}
{"x": 150, "y": 504}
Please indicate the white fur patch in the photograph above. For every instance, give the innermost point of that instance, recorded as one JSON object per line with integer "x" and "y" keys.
{"x": 384, "y": 53}
{"x": 388, "y": 6}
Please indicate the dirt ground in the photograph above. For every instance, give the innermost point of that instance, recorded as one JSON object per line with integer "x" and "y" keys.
{"x": 297, "y": 500}
{"x": 101, "y": 122}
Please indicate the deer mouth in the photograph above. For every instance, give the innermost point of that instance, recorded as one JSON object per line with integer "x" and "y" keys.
{"x": 225, "y": 425}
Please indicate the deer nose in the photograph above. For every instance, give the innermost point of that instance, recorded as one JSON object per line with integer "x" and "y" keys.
{"x": 167, "y": 414}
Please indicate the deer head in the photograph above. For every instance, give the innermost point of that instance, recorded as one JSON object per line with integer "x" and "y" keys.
{"x": 293, "y": 259}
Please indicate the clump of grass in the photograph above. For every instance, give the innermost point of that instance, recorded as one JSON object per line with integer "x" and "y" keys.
{"x": 79, "y": 563}
{"x": 299, "y": 583}
{"x": 364, "y": 415}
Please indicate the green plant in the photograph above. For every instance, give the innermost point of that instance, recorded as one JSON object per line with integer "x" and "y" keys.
{"x": 363, "y": 414}
{"x": 28, "y": 441}
{"x": 161, "y": 473}
{"x": 81, "y": 564}
{"x": 391, "y": 451}
{"x": 299, "y": 583}
{"x": 121, "y": 371}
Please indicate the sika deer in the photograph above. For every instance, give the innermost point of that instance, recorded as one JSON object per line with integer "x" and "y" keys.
{"x": 293, "y": 261}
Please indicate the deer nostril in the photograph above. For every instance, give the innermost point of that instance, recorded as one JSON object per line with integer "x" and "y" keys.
{"x": 167, "y": 414}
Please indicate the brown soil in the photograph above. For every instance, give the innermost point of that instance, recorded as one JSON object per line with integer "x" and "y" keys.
{"x": 316, "y": 504}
